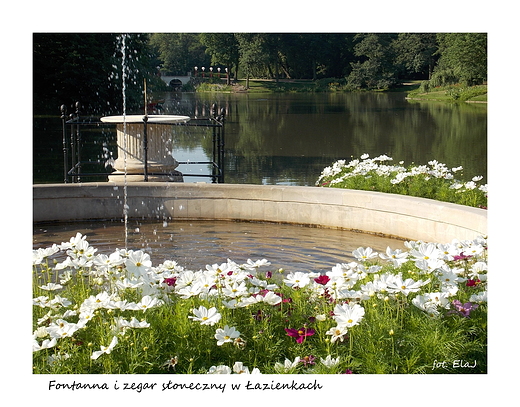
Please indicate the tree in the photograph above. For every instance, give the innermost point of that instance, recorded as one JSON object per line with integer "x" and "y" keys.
{"x": 251, "y": 53}
{"x": 376, "y": 68}
{"x": 70, "y": 67}
{"x": 179, "y": 53}
{"x": 224, "y": 49}
{"x": 416, "y": 53}
{"x": 464, "y": 56}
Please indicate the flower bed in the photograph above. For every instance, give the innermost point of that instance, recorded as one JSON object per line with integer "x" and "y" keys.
{"x": 418, "y": 310}
{"x": 434, "y": 181}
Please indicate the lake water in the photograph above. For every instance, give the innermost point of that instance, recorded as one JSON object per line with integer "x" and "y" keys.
{"x": 289, "y": 138}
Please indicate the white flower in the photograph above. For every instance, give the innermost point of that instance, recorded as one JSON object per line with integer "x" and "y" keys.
{"x": 62, "y": 329}
{"x": 287, "y": 365}
{"x": 348, "y": 315}
{"x": 396, "y": 257}
{"x": 398, "y": 285}
{"x": 46, "y": 344}
{"x": 148, "y": 302}
{"x": 105, "y": 349}
{"x": 329, "y": 361}
{"x": 479, "y": 297}
{"x": 228, "y": 334}
{"x": 221, "y": 369}
{"x": 364, "y": 254}
{"x": 138, "y": 262}
{"x": 297, "y": 279}
{"x": 51, "y": 287}
{"x": 270, "y": 298}
{"x": 337, "y": 332}
{"x": 206, "y": 316}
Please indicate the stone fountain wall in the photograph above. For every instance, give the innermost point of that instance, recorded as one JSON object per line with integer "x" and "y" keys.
{"x": 370, "y": 212}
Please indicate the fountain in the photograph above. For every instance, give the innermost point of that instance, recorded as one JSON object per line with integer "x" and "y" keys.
{"x": 155, "y": 196}
{"x": 148, "y": 147}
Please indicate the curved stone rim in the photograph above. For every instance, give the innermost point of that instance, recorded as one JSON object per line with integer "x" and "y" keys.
{"x": 387, "y": 215}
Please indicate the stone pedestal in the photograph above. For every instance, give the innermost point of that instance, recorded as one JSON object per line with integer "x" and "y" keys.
{"x": 131, "y": 152}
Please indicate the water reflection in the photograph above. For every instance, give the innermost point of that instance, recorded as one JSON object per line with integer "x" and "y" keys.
{"x": 290, "y": 138}
{"x": 197, "y": 243}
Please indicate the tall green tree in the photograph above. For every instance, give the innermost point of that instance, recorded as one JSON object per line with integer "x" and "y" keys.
{"x": 464, "y": 56}
{"x": 416, "y": 53}
{"x": 179, "y": 52}
{"x": 251, "y": 52}
{"x": 224, "y": 50}
{"x": 376, "y": 68}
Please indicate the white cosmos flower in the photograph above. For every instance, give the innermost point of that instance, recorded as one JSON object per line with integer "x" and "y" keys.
{"x": 105, "y": 349}
{"x": 51, "y": 287}
{"x": 287, "y": 365}
{"x": 206, "y": 316}
{"x": 329, "y": 361}
{"x": 221, "y": 369}
{"x": 148, "y": 302}
{"x": 46, "y": 344}
{"x": 138, "y": 262}
{"x": 270, "y": 298}
{"x": 337, "y": 332}
{"x": 228, "y": 334}
{"x": 396, "y": 257}
{"x": 348, "y": 315}
{"x": 479, "y": 297}
{"x": 398, "y": 285}
{"x": 297, "y": 279}
{"x": 364, "y": 254}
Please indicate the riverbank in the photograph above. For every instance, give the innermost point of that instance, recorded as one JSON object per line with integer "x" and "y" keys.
{"x": 414, "y": 90}
{"x": 453, "y": 93}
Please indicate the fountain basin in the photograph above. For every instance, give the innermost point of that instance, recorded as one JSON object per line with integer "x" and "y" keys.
{"x": 387, "y": 215}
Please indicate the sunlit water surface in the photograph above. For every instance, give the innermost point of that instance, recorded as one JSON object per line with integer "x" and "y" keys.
{"x": 194, "y": 244}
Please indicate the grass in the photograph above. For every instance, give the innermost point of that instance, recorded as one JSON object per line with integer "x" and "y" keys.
{"x": 116, "y": 313}
{"x": 452, "y": 93}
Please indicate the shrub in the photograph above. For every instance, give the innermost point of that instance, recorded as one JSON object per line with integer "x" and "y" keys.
{"x": 433, "y": 181}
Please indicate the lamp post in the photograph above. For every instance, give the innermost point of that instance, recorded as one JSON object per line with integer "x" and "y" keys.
{"x": 196, "y": 71}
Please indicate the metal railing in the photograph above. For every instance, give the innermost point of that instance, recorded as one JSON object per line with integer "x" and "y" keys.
{"x": 73, "y": 163}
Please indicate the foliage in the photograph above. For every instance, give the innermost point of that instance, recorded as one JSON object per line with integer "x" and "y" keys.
{"x": 393, "y": 312}
{"x": 88, "y": 68}
{"x": 465, "y": 56}
{"x": 456, "y": 92}
{"x": 377, "y": 69}
{"x": 179, "y": 52}
{"x": 433, "y": 181}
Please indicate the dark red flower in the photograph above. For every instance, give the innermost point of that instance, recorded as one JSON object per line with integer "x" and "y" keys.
{"x": 472, "y": 283}
{"x": 323, "y": 279}
{"x": 300, "y": 334}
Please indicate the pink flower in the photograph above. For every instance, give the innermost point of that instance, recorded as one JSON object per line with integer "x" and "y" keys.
{"x": 463, "y": 309}
{"x": 323, "y": 279}
{"x": 300, "y": 334}
{"x": 308, "y": 360}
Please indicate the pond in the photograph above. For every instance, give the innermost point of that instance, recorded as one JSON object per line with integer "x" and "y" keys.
{"x": 289, "y": 138}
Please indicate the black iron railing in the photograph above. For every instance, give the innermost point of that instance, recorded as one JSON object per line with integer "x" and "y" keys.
{"x": 74, "y": 165}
